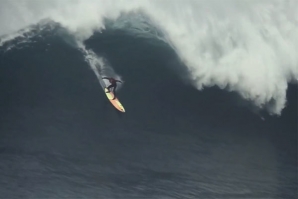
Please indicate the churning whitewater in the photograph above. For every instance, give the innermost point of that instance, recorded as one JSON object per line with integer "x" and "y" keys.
{"x": 245, "y": 46}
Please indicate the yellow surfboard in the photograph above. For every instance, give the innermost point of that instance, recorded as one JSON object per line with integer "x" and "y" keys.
{"x": 116, "y": 103}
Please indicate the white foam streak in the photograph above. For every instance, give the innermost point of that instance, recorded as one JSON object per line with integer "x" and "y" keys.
{"x": 248, "y": 46}
{"x": 99, "y": 65}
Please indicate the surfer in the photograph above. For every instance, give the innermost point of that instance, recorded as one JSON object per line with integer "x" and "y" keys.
{"x": 113, "y": 85}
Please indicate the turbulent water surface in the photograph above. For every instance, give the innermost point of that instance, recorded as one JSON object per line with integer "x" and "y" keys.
{"x": 209, "y": 88}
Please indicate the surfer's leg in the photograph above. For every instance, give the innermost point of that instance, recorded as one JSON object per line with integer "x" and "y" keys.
{"x": 109, "y": 88}
{"x": 114, "y": 91}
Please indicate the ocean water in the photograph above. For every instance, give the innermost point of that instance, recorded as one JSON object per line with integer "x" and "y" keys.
{"x": 209, "y": 88}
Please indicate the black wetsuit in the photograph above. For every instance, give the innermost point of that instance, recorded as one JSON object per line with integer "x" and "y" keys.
{"x": 113, "y": 85}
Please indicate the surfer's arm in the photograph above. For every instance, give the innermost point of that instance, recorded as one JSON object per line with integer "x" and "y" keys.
{"x": 118, "y": 81}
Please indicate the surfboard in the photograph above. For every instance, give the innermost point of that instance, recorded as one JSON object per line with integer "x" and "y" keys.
{"x": 115, "y": 102}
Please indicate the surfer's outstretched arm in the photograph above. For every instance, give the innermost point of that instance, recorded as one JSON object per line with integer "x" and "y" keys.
{"x": 118, "y": 81}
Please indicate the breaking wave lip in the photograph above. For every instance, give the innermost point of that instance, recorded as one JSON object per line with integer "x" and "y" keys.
{"x": 27, "y": 35}
{"x": 243, "y": 52}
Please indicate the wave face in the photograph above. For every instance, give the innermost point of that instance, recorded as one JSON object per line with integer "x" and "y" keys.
{"x": 60, "y": 137}
{"x": 249, "y": 47}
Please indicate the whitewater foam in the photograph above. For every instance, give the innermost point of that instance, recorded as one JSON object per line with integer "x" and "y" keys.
{"x": 99, "y": 65}
{"x": 245, "y": 46}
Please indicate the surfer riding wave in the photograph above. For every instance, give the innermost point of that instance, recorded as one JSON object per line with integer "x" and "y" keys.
{"x": 112, "y": 85}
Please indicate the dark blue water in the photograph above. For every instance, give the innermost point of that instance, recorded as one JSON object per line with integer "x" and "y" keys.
{"x": 61, "y": 138}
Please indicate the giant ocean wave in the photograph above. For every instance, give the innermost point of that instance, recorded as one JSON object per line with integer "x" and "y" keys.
{"x": 201, "y": 79}
{"x": 249, "y": 47}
